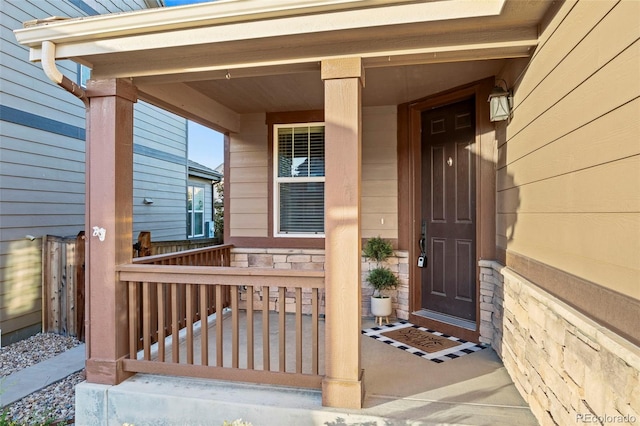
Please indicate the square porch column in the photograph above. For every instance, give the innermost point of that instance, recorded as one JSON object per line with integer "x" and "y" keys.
{"x": 343, "y": 385}
{"x": 109, "y": 207}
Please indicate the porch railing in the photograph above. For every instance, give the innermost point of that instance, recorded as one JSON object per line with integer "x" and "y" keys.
{"x": 219, "y": 255}
{"x": 268, "y": 291}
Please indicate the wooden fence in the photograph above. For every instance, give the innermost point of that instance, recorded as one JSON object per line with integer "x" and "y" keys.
{"x": 63, "y": 261}
{"x": 63, "y": 285}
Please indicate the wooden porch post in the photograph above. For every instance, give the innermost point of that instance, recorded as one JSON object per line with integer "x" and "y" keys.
{"x": 343, "y": 385}
{"x": 109, "y": 207}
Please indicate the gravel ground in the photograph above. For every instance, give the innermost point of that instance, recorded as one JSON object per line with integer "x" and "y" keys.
{"x": 56, "y": 401}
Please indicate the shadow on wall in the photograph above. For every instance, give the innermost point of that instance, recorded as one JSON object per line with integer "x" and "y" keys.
{"x": 507, "y": 193}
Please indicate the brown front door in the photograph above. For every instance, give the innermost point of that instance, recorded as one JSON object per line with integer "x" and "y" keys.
{"x": 448, "y": 224}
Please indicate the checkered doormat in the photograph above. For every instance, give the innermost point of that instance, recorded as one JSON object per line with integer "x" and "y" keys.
{"x": 461, "y": 349}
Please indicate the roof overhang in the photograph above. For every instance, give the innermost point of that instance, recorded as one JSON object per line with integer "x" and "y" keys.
{"x": 165, "y": 49}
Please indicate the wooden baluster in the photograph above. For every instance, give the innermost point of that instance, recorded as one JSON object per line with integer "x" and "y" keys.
{"x": 153, "y": 307}
{"x": 175, "y": 327}
{"x": 298, "y": 330}
{"x": 282, "y": 333}
{"x": 190, "y": 314}
{"x": 266, "y": 353}
{"x": 235, "y": 327}
{"x": 219, "y": 322}
{"x": 204, "y": 326}
{"x": 133, "y": 320}
{"x": 314, "y": 331}
{"x": 146, "y": 321}
{"x": 161, "y": 320}
{"x": 182, "y": 305}
{"x": 250, "y": 343}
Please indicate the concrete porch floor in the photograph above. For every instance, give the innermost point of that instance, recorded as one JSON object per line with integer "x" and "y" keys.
{"x": 401, "y": 389}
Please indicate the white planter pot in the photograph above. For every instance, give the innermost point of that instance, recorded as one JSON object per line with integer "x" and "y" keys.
{"x": 381, "y": 306}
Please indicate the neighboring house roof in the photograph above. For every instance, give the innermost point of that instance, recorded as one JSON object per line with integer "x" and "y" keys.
{"x": 198, "y": 170}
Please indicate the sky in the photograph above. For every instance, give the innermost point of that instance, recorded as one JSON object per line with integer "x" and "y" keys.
{"x": 205, "y": 146}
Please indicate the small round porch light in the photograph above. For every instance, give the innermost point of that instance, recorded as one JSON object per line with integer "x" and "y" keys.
{"x": 499, "y": 103}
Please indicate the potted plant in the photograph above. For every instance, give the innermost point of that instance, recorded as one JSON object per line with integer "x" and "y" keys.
{"x": 380, "y": 278}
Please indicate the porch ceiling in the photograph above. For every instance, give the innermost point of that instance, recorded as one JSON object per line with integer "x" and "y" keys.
{"x": 213, "y": 61}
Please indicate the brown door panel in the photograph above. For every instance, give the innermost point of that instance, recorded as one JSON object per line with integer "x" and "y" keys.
{"x": 448, "y": 188}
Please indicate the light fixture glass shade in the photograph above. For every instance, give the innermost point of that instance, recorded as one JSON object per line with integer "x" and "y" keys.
{"x": 499, "y": 107}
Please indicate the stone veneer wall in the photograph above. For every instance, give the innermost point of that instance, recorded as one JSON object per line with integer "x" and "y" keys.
{"x": 308, "y": 259}
{"x": 569, "y": 369}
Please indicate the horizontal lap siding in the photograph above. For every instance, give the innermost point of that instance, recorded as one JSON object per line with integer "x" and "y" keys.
{"x": 42, "y": 161}
{"x": 569, "y": 169}
{"x": 160, "y": 173}
{"x": 379, "y": 172}
{"x": 41, "y": 173}
{"x": 249, "y": 178}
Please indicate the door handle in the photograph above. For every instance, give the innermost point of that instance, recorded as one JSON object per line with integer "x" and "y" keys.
{"x": 422, "y": 259}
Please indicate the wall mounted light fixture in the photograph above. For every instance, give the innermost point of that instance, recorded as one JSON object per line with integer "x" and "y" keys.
{"x": 500, "y": 103}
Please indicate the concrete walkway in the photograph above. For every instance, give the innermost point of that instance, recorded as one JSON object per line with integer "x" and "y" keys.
{"x": 401, "y": 389}
{"x": 31, "y": 379}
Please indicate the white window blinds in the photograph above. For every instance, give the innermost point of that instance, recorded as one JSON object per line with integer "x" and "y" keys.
{"x": 299, "y": 179}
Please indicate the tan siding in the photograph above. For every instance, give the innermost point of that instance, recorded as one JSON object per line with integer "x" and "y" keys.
{"x": 611, "y": 87}
{"x": 569, "y": 167}
{"x": 247, "y": 205}
{"x": 382, "y": 187}
{"x": 596, "y": 246}
{"x": 591, "y": 141}
{"x": 379, "y": 172}
{"x": 555, "y": 50}
{"x": 596, "y": 189}
{"x": 245, "y": 159}
{"x": 248, "y": 175}
{"x": 249, "y": 179}
{"x": 611, "y": 35}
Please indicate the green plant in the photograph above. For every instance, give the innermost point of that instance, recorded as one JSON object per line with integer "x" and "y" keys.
{"x": 237, "y": 422}
{"x": 33, "y": 420}
{"x": 381, "y": 278}
{"x": 5, "y": 420}
{"x": 218, "y": 219}
{"x": 377, "y": 249}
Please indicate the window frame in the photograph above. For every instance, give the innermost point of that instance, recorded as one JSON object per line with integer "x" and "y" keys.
{"x": 82, "y": 70}
{"x": 191, "y": 212}
{"x": 278, "y": 180}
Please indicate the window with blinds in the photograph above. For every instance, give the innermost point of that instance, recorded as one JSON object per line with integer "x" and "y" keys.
{"x": 299, "y": 179}
{"x": 195, "y": 211}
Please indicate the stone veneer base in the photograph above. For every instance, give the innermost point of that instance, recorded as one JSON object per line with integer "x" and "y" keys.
{"x": 313, "y": 259}
{"x": 568, "y": 368}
